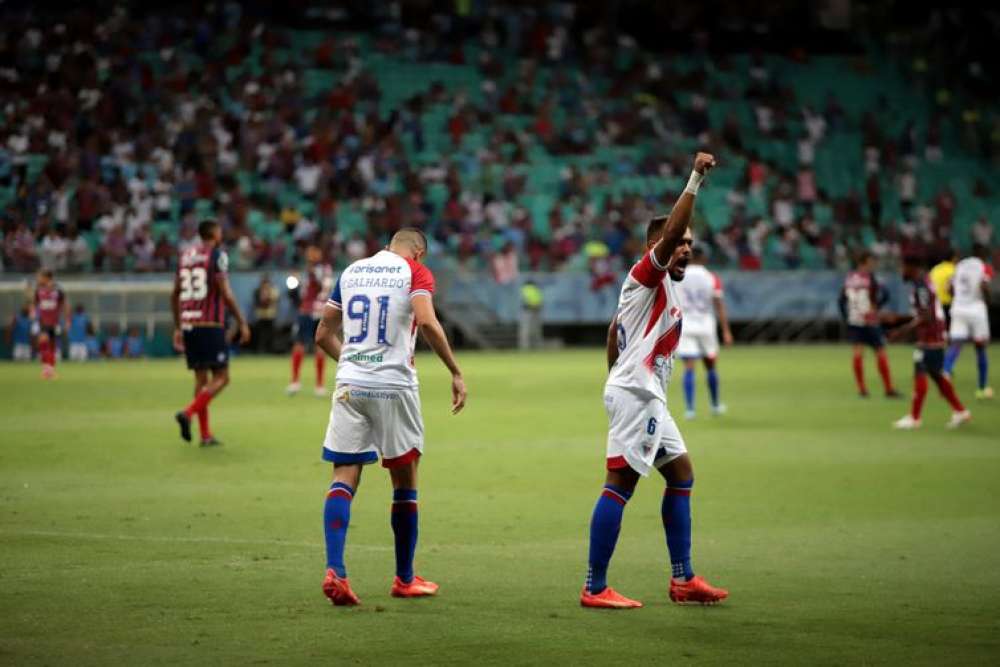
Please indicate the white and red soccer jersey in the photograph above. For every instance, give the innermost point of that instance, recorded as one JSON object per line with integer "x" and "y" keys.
{"x": 860, "y": 299}
{"x": 966, "y": 284}
{"x": 319, "y": 281}
{"x": 649, "y": 329}
{"x": 380, "y": 332}
{"x": 698, "y": 293}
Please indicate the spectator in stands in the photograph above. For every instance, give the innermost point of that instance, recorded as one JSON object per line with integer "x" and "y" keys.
{"x": 78, "y": 255}
{"x": 53, "y": 251}
{"x": 504, "y": 264}
{"x": 982, "y": 232}
{"x": 906, "y": 188}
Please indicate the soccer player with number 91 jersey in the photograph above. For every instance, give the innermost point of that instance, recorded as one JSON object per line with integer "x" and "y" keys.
{"x": 369, "y": 327}
{"x": 199, "y": 301}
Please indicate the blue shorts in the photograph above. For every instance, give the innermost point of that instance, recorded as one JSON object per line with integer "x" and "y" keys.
{"x": 206, "y": 348}
{"x": 870, "y": 336}
{"x": 928, "y": 360}
{"x": 305, "y": 329}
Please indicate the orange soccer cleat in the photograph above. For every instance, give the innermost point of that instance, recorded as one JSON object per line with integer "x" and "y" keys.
{"x": 609, "y": 598}
{"x": 339, "y": 590}
{"x": 418, "y": 588}
{"x": 696, "y": 591}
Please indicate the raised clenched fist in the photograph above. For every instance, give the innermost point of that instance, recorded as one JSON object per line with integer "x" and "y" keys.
{"x": 703, "y": 162}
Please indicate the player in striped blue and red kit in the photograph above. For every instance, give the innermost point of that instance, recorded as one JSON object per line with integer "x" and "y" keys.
{"x": 199, "y": 301}
{"x": 50, "y": 311}
{"x": 928, "y": 359}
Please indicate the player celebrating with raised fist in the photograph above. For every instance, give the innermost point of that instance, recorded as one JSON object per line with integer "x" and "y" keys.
{"x": 369, "y": 326}
{"x": 642, "y": 435}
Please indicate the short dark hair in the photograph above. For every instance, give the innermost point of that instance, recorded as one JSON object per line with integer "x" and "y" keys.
{"x": 48, "y": 273}
{"x": 206, "y": 228}
{"x": 410, "y": 235}
{"x": 864, "y": 256}
{"x": 655, "y": 227}
{"x": 914, "y": 261}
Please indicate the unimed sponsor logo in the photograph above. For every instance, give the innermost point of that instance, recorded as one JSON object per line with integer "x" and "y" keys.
{"x": 365, "y": 358}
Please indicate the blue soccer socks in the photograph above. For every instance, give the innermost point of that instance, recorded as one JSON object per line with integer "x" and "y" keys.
{"x": 689, "y": 389}
{"x": 712, "y": 376}
{"x": 951, "y": 356}
{"x": 676, "y": 513}
{"x": 336, "y": 516}
{"x": 404, "y": 528}
{"x": 983, "y": 365}
{"x": 605, "y": 525}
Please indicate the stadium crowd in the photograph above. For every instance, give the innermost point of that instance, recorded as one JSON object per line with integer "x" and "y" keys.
{"x": 119, "y": 132}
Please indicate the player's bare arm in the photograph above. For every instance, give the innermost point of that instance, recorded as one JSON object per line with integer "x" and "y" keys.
{"x": 680, "y": 215}
{"x": 433, "y": 333}
{"x": 234, "y": 308}
{"x": 328, "y": 331}
{"x": 923, "y": 316}
{"x": 612, "y": 343}
{"x": 723, "y": 317}
{"x": 175, "y": 308}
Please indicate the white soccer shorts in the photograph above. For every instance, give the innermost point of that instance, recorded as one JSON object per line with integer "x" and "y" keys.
{"x": 78, "y": 351}
{"x": 22, "y": 352}
{"x": 641, "y": 432}
{"x": 698, "y": 344}
{"x": 369, "y": 422}
{"x": 970, "y": 323}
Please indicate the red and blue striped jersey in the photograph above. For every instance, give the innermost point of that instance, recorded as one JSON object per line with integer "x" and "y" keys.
{"x": 931, "y": 330}
{"x": 49, "y": 303}
{"x": 198, "y": 272}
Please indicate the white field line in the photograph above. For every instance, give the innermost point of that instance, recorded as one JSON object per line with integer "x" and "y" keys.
{"x": 182, "y": 540}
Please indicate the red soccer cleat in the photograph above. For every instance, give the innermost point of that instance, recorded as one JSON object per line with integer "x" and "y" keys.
{"x": 609, "y": 598}
{"x": 339, "y": 590}
{"x": 418, "y": 588}
{"x": 696, "y": 591}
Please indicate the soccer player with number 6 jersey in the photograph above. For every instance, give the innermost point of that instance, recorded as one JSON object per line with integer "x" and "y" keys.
{"x": 642, "y": 435}
{"x": 199, "y": 301}
{"x": 369, "y": 327}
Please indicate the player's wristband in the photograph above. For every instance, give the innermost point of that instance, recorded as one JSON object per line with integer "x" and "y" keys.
{"x": 694, "y": 183}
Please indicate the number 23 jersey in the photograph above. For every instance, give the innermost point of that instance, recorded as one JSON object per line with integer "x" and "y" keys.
{"x": 198, "y": 271}
{"x": 379, "y": 328}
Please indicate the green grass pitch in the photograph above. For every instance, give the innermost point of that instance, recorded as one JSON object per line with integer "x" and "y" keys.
{"x": 841, "y": 541}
